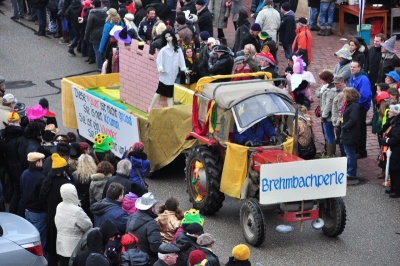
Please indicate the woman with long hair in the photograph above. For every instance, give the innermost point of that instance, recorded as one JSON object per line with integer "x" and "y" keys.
{"x": 169, "y": 219}
{"x": 357, "y": 51}
{"x": 190, "y": 80}
{"x": 86, "y": 167}
{"x": 98, "y": 181}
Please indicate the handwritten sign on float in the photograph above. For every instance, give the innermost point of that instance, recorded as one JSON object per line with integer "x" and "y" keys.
{"x": 303, "y": 180}
{"x": 97, "y": 116}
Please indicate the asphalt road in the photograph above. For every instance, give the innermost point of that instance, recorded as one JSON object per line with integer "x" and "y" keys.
{"x": 34, "y": 66}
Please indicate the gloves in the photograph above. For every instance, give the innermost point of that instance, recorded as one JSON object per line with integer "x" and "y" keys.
{"x": 225, "y": 19}
{"x": 249, "y": 143}
{"x": 273, "y": 140}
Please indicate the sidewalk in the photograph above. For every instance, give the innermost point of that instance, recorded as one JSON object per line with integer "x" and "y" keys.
{"x": 323, "y": 58}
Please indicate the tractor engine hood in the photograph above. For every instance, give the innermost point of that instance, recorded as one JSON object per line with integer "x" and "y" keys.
{"x": 267, "y": 156}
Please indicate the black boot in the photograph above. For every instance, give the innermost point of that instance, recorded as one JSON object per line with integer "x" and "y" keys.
{"x": 42, "y": 31}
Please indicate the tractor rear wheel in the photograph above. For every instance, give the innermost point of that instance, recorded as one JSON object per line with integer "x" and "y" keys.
{"x": 203, "y": 177}
{"x": 333, "y": 212}
{"x": 252, "y": 222}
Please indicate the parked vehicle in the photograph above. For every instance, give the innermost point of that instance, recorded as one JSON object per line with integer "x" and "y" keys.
{"x": 266, "y": 174}
{"x": 19, "y": 242}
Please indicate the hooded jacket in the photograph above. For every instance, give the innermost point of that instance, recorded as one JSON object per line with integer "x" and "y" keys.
{"x": 31, "y": 182}
{"x": 128, "y": 204}
{"x": 108, "y": 209}
{"x": 144, "y": 227}
{"x": 96, "y": 188}
{"x": 95, "y": 24}
{"x": 186, "y": 243}
{"x": 94, "y": 245}
{"x": 71, "y": 221}
{"x": 233, "y": 262}
{"x": 139, "y": 163}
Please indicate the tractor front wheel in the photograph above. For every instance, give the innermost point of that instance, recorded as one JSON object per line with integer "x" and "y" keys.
{"x": 333, "y": 212}
{"x": 203, "y": 177}
{"x": 252, "y": 222}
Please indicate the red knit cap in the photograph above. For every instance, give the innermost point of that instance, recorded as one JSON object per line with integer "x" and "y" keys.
{"x": 196, "y": 256}
{"x": 266, "y": 56}
{"x": 128, "y": 239}
{"x": 138, "y": 146}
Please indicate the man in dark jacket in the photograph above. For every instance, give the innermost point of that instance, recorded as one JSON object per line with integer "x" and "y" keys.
{"x": 206, "y": 242}
{"x": 144, "y": 227}
{"x": 140, "y": 12}
{"x": 186, "y": 241}
{"x": 13, "y": 149}
{"x": 94, "y": 29}
{"x": 122, "y": 177}
{"x": 224, "y": 63}
{"x": 287, "y": 31}
{"x": 167, "y": 255}
{"x": 146, "y": 25}
{"x": 110, "y": 208}
{"x": 35, "y": 206}
{"x": 94, "y": 245}
{"x": 360, "y": 82}
{"x": 389, "y": 60}
{"x": 205, "y": 19}
{"x": 252, "y": 38}
{"x": 373, "y": 60}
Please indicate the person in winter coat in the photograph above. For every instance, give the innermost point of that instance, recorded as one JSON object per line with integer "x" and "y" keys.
{"x": 140, "y": 12}
{"x": 240, "y": 256}
{"x": 13, "y": 147}
{"x": 112, "y": 19}
{"x": 357, "y": 51}
{"x": 96, "y": 259}
{"x": 342, "y": 68}
{"x": 167, "y": 255}
{"x": 98, "y": 181}
{"x": 372, "y": 61}
{"x": 336, "y": 108}
{"x": 40, "y": 7}
{"x": 169, "y": 219}
{"x": 327, "y": 96}
{"x": 350, "y": 129}
{"x": 206, "y": 241}
{"x": 128, "y": 204}
{"x": 186, "y": 241}
{"x": 108, "y": 231}
{"x": 287, "y": 30}
{"x": 240, "y": 66}
{"x": 72, "y": 14}
{"x": 267, "y": 63}
{"x": 109, "y": 208}
{"x": 389, "y": 60}
{"x": 144, "y": 227}
{"x": 86, "y": 168}
{"x": 220, "y": 12}
{"x": 145, "y": 27}
{"x": 391, "y": 138}
{"x": 50, "y": 191}
{"x": 269, "y": 19}
{"x": 122, "y": 177}
{"x": 243, "y": 29}
{"x": 205, "y": 18}
{"x": 158, "y": 29}
{"x": 189, "y": 5}
{"x": 71, "y": 222}
{"x": 94, "y": 245}
{"x": 94, "y": 30}
{"x": 35, "y": 206}
{"x": 131, "y": 255}
{"x": 183, "y": 33}
{"x": 224, "y": 63}
{"x": 302, "y": 44}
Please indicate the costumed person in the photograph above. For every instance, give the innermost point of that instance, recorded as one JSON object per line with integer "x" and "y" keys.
{"x": 189, "y": 217}
{"x": 119, "y": 35}
{"x": 102, "y": 149}
{"x": 267, "y": 64}
{"x": 169, "y": 60}
{"x": 50, "y": 117}
{"x": 190, "y": 80}
{"x": 301, "y": 82}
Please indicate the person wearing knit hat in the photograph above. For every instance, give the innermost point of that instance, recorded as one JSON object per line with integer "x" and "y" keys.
{"x": 268, "y": 44}
{"x": 389, "y": 59}
{"x": 240, "y": 256}
{"x": 102, "y": 149}
{"x": 392, "y": 78}
{"x": 240, "y": 66}
{"x": 287, "y": 30}
{"x": 267, "y": 63}
{"x": 57, "y": 161}
{"x": 252, "y": 37}
{"x": 196, "y": 257}
{"x": 186, "y": 241}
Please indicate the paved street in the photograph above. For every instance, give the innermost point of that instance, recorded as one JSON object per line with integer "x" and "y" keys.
{"x": 34, "y": 66}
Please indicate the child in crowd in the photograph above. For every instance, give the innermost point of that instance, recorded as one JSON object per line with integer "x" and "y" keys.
{"x": 169, "y": 219}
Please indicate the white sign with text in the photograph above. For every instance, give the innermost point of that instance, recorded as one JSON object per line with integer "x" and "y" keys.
{"x": 303, "y": 180}
{"x": 95, "y": 115}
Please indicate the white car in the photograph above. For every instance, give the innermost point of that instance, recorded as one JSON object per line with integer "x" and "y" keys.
{"x": 19, "y": 242}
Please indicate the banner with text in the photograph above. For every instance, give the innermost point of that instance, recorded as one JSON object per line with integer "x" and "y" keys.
{"x": 303, "y": 180}
{"x": 97, "y": 116}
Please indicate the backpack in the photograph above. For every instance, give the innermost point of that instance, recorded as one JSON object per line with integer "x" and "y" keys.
{"x": 135, "y": 257}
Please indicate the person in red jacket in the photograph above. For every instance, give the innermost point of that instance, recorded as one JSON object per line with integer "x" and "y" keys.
{"x": 303, "y": 41}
